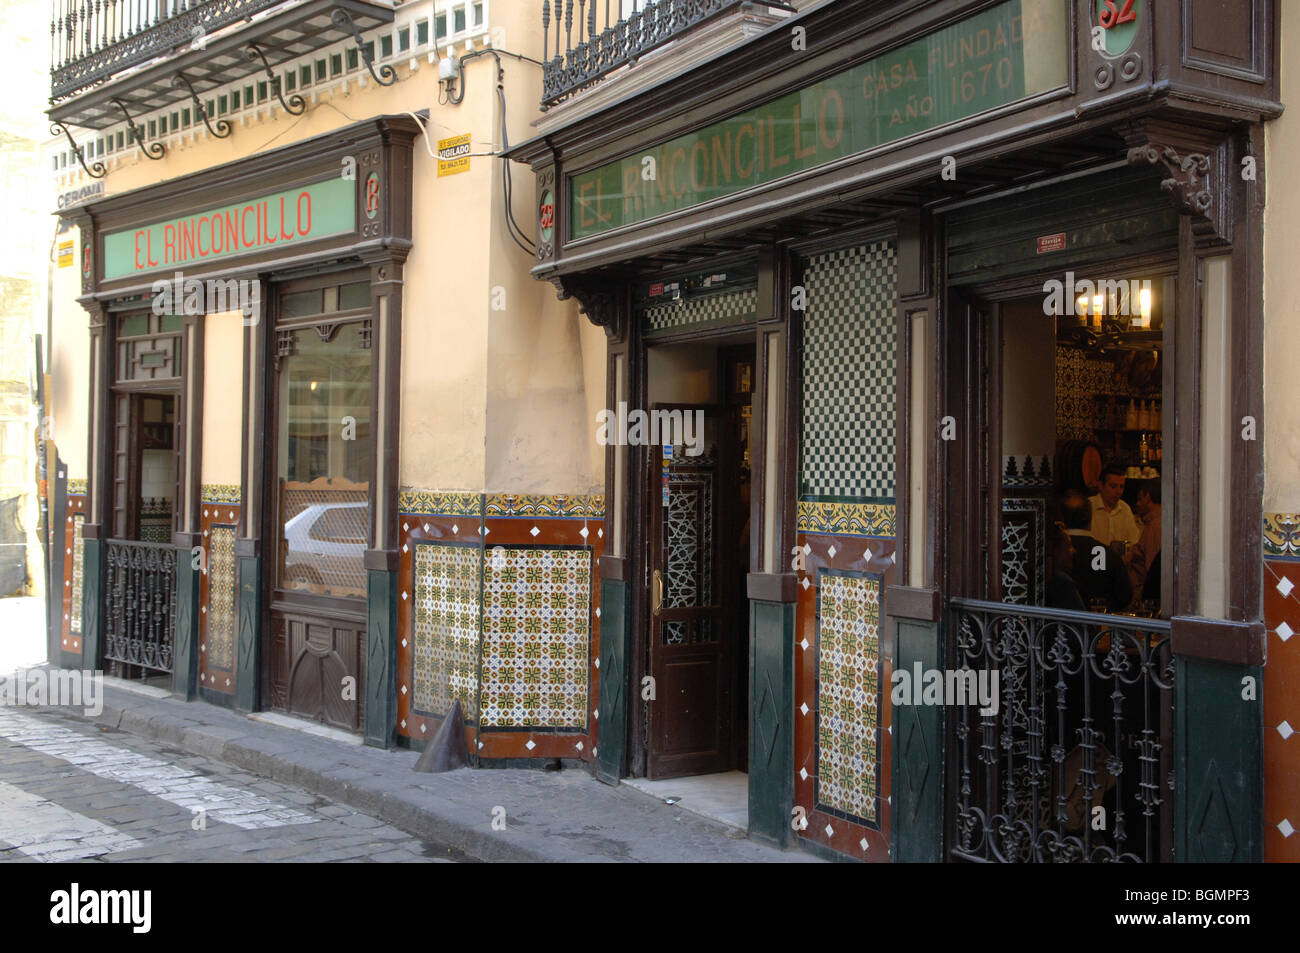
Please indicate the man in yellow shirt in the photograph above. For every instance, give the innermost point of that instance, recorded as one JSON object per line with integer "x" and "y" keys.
{"x": 1112, "y": 519}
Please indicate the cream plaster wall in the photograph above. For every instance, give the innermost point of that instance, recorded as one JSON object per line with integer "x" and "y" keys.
{"x": 1282, "y": 287}
{"x": 69, "y": 369}
{"x": 223, "y": 406}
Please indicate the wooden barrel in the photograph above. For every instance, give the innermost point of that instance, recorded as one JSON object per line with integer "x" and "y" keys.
{"x": 1078, "y": 465}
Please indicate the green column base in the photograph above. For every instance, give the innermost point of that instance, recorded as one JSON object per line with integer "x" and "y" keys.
{"x": 771, "y": 733}
{"x": 916, "y": 819}
{"x": 92, "y": 602}
{"x": 611, "y": 743}
{"x": 381, "y": 658}
{"x": 248, "y": 653}
{"x": 1219, "y": 758}
{"x": 185, "y": 638}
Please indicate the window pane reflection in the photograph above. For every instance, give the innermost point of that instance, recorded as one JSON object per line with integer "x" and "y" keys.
{"x": 324, "y": 451}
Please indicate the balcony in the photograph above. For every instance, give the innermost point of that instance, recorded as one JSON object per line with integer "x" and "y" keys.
{"x": 114, "y": 59}
{"x": 605, "y": 37}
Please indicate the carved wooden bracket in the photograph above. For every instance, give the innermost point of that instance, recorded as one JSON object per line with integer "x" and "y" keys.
{"x": 600, "y": 303}
{"x": 1195, "y": 170}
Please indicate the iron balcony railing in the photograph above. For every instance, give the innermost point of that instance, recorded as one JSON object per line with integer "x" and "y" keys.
{"x": 607, "y": 34}
{"x": 1076, "y": 763}
{"x": 141, "y": 610}
{"x": 93, "y": 40}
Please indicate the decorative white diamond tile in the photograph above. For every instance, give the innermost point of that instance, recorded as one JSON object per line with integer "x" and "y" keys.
{"x": 803, "y": 774}
{"x": 804, "y": 582}
{"x": 597, "y": 612}
{"x": 455, "y": 528}
{"x": 404, "y": 595}
{"x": 423, "y": 727}
{"x": 530, "y": 744}
{"x": 533, "y": 532}
{"x": 1284, "y": 631}
{"x": 426, "y": 527}
{"x": 404, "y": 642}
{"x": 803, "y": 644}
{"x": 406, "y": 527}
{"x": 1284, "y": 586}
{"x": 583, "y": 532}
{"x": 1285, "y": 730}
{"x": 403, "y": 722}
{"x": 830, "y": 831}
{"x": 804, "y": 708}
{"x": 1286, "y": 828}
{"x": 403, "y": 689}
{"x": 405, "y": 548}
{"x": 596, "y": 662}
{"x": 863, "y": 844}
{"x": 579, "y": 746}
{"x": 600, "y": 534}
{"x": 832, "y": 551}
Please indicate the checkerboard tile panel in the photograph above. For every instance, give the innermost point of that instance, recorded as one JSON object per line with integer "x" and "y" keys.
{"x": 849, "y": 374}
{"x": 732, "y": 307}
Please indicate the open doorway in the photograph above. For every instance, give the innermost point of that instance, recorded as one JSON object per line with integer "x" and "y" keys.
{"x": 697, "y": 481}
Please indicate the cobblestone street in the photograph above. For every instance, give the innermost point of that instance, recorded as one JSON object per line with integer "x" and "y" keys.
{"x": 70, "y": 791}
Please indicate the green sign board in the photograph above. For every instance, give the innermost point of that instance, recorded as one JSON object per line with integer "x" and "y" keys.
{"x": 295, "y": 216}
{"x": 1004, "y": 54}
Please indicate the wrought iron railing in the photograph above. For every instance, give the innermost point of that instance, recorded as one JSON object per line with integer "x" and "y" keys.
{"x": 1076, "y": 763}
{"x": 608, "y": 36}
{"x": 141, "y": 590}
{"x": 92, "y": 40}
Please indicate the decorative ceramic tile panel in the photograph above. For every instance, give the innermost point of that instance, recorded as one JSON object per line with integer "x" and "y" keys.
{"x": 1282, "y": 535}
{"x": 222, "y": 589}
{"x": 554, "y": 506}
{"x": 849, "y": 373}
{"x": 220, "y": 493}
{"x": 536, "y": 631}
{"x": 78, "y": 572}
{"x": 434, "y": 503}
{"x": 730, "y": 308}
{"x": 847, "y": 519}
{"x": 446, "y": 624}
{"x": 848, "y": 666}
{"x": 76, "y": 487}
{"x": 1024, "y": 571}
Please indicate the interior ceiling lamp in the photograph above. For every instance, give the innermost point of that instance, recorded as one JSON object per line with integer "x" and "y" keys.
{"x": 1098, "y": 325}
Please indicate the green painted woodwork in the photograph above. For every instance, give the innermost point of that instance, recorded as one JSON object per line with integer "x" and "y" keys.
{"x": 916, "y": 821}
{"x": 1219, "y": 764}
{"x": 611, "y": 742}
{"x": 185, "y": 644}
{"x": 998, "y": 56}
{"x": 248, "y": 652}
{"x": 381, "y": 658}
{"x": 771, "y": 734}
{"x": 92, "y": 604}
{"x": 54, "y": 585}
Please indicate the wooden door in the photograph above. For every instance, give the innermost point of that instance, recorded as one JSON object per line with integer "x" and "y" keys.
{"x": 690, "y": 708}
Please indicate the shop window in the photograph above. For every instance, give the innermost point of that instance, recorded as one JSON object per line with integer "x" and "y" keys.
{"x": 422, "y": 33}
{"x": 1083, "y": 428}
{"x": 324, "y": 467}
{"x": 404, "y": 39}
{"x": 300, "y": 303}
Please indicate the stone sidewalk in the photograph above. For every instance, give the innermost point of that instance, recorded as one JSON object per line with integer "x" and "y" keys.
{"x": 560, "y": 816}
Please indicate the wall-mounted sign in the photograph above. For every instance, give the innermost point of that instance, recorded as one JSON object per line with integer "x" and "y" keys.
{"x": 65, "y": 254}
{"x": 453, "y": 155}
{"x": 67, "y": 199}
{"x": 1007, "y": 53}
{"x": 372, "y": 195}
{"x": 1047, "y": 243}
{"x": 1119, "y": 20}
{"x": 546, "y": 215}
{"x": 295, "y": 216}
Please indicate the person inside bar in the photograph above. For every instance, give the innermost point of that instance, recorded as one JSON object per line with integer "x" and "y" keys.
{"x": 1102, "y": 580}
{"x": 1142, "y": 557}
{"x": 1062, "y": 590}
{"x": 1112, "y": 519}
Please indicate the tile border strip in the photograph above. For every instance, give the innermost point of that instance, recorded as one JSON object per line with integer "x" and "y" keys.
{"x": 1282, "y": 536}
{"x": 847, "y": 519}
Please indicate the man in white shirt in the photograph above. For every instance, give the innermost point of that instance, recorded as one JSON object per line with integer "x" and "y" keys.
{"x": 1112, "y": 520}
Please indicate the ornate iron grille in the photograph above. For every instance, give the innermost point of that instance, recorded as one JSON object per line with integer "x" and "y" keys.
{"x": 1077, "y": 761}
{"x": 141, "y": 587}
{"x": 92, "y": 40}
{"x": 622, "y": 39}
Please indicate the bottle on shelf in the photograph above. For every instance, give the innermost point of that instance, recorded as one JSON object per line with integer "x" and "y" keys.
{"x": 1130, "y": 421}
{"x": 1144, "y": 452}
